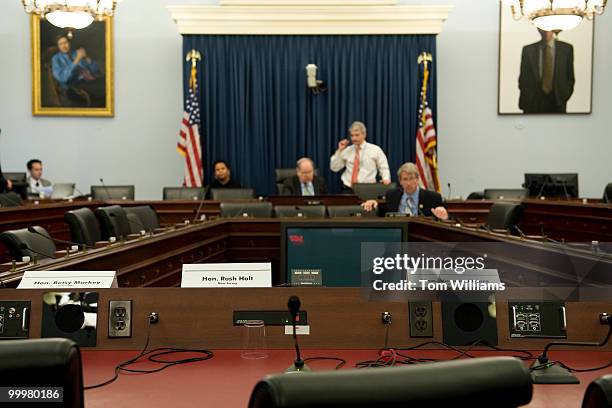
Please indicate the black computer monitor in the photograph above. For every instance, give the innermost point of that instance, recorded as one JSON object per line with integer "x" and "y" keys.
{"x": 552, "y": 184}
{"x": 333, "y": 247}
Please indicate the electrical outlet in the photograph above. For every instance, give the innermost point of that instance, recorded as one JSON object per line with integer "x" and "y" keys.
{"x": 119, "y": 319}
{"x": 421, "y": 319}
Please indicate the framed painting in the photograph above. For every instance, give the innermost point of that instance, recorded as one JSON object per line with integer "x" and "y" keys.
{"x": 72, "y": 70}
{"x": 542, "y": 72}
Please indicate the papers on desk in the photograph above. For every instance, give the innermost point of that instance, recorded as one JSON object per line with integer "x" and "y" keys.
{"x": 227, "y": 275}
{"x": 68, "y": 280}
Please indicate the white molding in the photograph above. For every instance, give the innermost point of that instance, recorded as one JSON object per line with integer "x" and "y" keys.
{"x": 293, "y": 17}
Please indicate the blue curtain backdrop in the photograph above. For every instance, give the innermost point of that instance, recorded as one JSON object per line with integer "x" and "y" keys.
{"x": 258, "y": 113}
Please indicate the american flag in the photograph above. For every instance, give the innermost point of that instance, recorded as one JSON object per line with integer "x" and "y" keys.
{"x": 426, "y": 160}
{"x": 189, "y": 141}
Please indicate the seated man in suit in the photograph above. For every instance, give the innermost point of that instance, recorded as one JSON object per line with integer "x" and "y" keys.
{"x": 409, "y": 197}
{"x": 37, "y": 184}
{"x": 304, "y": 183}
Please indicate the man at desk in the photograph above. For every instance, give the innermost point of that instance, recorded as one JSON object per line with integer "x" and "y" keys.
{"x": 305, "y": 183}
{"x": 409, "y": 198}
{"x": 37, "y": 184}
{"x": 361, "y": 161}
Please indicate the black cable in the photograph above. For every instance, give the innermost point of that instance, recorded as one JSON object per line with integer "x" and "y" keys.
{"x": 152, "y": 357}
{"x": 341, "y": 361}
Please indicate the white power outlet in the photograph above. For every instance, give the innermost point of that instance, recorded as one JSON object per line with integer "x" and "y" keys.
{"x": 119, "y": 319}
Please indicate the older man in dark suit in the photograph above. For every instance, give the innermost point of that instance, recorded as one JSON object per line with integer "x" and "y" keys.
{"x": 304, "y": 183}
{"x": 547, "y": 78}
{"x": 409, "y": 198}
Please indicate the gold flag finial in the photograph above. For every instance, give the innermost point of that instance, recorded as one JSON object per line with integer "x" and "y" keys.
{"x": 194, "y": 56}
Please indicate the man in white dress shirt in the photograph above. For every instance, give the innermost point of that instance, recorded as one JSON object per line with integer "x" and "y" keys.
{"x": 361, "y": 161}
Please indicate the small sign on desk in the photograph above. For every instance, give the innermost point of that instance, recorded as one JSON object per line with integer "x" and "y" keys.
{"x": 227, "y": 275}
{"x": 68, "y": 280}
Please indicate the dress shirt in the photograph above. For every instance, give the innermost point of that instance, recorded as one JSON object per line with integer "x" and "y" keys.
{"x": 372, "y": 160}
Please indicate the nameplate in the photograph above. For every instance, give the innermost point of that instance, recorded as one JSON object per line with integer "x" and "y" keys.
{"x": 68, "y": 280}
{"x": 300, "y": 330}
{"x": 227, "y": 275}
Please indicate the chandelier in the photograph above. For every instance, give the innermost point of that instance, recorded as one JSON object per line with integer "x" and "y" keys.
{"x": 556, "y": 15}
{"x": 71, "y": 13}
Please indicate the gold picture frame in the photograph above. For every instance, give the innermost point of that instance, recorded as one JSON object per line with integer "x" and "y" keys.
{"x": 90, "y": 93}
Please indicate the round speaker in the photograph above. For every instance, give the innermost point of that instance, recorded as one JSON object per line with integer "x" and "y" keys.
{"x": 468, "y": 317}
{"x": 69, "y": 318}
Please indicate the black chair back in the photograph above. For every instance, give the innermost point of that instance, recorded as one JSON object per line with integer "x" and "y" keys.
{"x": 505, "y": 216}
{"x": 114, "y": 221}
{"x": 372, "y": 191}
{"x": 84, "y": 227}
{"x": 607, "y": 197}
{"x": 505, "y": 193}
{"x": 248, "y": 209}
{"x": 310, "y": 211}
{"x": 349, "y": 211}
{"x": 476, "y": 195}
{"x": 44, "y": 363}
{"x": 223, "y": 194}
{"x": 10, "y": 200}
{"x": 17, "y": 176}
{"x": 184, "y": 193}
{"x": 113, "y": 192}
{"x": 22, "y": 243}
{"x": 142, "y": 217}
{"x": 479, "y": 382}
{"x": 599, "y": 393}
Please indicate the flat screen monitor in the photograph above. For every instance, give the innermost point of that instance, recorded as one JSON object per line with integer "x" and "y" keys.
{"x": 334, "y": 247}
{"x": 552, "y": 184}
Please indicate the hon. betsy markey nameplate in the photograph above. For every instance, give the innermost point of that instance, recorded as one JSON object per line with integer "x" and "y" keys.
{"x": 227, "y": 275}
{"x": 68, "y": 279}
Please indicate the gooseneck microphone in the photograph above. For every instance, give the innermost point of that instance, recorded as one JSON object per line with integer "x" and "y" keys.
{"x": 59, "y": 241}
{"x": 24, "y": 247}
{"x": 294, "y": 308}
{"x": 197, "y": 213}
{"x": 449, "y": 191}
{"x": 108, "y": 196}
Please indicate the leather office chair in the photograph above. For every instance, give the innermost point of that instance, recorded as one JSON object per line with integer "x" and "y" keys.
{"x": 10, "y": 200}
{"x": 22, "y": 243}
{"x": 114, "y": 221}
{"x": 310, "y": 211}
{"x": 372, "y": 191}
{"x": 349, "y": 211}
{"x": 184, "y": 193}
{"x": 251, "y": 209}
{"x": 476, "y": 195}
{"x": 599, "y": 393}
{"x": 283, "y": 174}
{"x": 505, "y": 193}
{"x": 112, "y": 192}
{"x": 607, "y": 197}
{"x": 223, "y": 194}
{"x": 84, "y": 227}
{"x": 480, "y": 382}
{"x": 505, "y": 216}
{"x": 44, "y": 363}
{"x": 142, "y": 217}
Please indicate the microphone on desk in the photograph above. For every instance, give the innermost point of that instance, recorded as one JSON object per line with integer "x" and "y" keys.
{"x": 449, "y": 191}
{"x": 108, "y": 195}
{"x": 59, "y": 241}
{"x": 543, "y": 371}
{"x": 197, "y": 213}
{"x": 298, "y": 365}
{"x": 24, "y": 247}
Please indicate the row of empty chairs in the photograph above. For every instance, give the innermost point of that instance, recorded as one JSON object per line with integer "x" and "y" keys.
{"x": 478, "y": 382}
{"x": 265, "y": 209}
{"x": 86, "y": 229}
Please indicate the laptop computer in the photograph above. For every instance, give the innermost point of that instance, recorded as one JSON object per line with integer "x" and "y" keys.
{"x": 63, "y": 190}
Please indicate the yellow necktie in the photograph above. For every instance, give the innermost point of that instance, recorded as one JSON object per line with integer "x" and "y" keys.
{"x": 547, "y": 70}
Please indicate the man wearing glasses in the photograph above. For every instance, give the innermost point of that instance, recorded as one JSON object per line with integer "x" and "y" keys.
{"x": 409, "y": 198}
